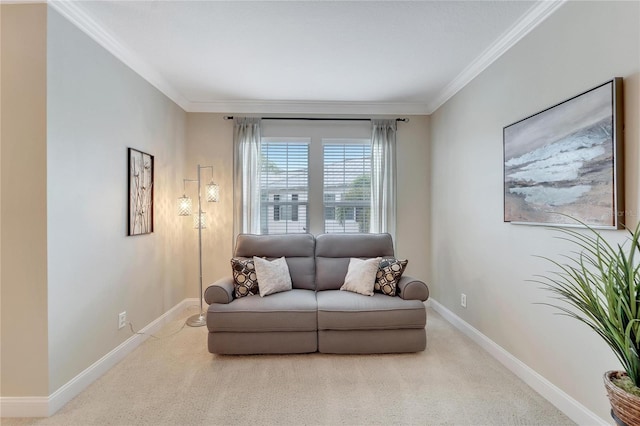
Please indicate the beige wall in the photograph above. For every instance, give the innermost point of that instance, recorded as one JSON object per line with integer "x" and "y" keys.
{"x": 97, "y": 108}
{"x": 69, "y": 112}
{"x": 580, "y": 46}
{"x": 23, "y": 308}
{"x": 210, "y": 141}
{"x": 412, "y": 215}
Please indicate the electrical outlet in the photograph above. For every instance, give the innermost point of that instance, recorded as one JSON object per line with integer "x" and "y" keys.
{"x": 122, "y": 319}
{"x": 463, "y": 300}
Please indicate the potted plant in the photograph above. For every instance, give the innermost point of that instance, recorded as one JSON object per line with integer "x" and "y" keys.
{"x": 601, "y": 284}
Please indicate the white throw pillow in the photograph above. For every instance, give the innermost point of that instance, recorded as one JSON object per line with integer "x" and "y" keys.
{"x": 273, "y": 276}
{"x": 361, "y": 276}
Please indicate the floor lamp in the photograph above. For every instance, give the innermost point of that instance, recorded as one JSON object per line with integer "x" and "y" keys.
{"x": 199, "y": 223}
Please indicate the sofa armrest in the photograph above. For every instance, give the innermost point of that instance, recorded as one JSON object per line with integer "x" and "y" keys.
{"x": 410, "y": 288}
{"x": 220, "y": 292}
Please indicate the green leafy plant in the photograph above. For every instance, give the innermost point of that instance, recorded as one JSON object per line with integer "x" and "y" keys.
{"x": 601, "y": 282}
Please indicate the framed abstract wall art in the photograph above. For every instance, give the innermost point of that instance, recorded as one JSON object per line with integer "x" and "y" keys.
{"x": 140, "y": 220}
{"x": 566, "y": 162}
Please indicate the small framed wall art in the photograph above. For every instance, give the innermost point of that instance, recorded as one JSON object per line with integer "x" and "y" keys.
{"x": 140, "y": 220}
{"x": 566, "y": 162}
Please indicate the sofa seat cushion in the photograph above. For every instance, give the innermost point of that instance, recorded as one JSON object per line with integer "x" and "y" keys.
{"x": 343, "y": 310}
{"x": 293, "y": 310}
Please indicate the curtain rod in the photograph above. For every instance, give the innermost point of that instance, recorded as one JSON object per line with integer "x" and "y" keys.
{"x": 404, "y": 120}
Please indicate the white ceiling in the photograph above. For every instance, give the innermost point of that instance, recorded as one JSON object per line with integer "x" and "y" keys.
{"x": 308, "y": 56}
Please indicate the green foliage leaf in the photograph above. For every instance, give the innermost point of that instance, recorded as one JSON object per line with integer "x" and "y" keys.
{"x": 600, "y": 283}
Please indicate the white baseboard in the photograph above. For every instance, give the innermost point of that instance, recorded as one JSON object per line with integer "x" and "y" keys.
{"x": 47, "y": 406}
{"x": 565, "y": 403}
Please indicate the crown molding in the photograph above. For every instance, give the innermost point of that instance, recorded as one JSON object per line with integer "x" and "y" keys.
{"x": 530, "y": 20}
{"x": 77, "y": 16}
{"x": 536, "y": 14}
{"x": 308, "y": 107}
{"x": 74, "y": 13}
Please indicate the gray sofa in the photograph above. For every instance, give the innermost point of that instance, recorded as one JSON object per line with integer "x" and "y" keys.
{"x": 315, "y": 315}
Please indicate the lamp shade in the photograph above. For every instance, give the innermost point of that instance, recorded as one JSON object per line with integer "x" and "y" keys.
{"x": 200, "y": 219}
{"x": 213, "y": 192}
{"x": 184, "y": 206}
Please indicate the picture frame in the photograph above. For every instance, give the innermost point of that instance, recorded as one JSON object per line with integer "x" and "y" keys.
{"x": 564, "y": 166}
{"x": 141, "y": 188}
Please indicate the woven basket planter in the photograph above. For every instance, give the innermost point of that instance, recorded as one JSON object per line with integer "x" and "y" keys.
{"x": 625, "y": 405}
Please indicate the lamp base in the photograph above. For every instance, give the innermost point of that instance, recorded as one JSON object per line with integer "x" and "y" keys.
{"x": 197, "y": 320}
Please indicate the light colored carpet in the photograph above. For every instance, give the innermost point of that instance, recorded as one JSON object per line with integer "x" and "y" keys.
{"x": 175, "y": 381}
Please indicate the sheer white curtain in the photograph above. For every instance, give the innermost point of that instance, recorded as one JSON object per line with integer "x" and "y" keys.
{"x": 246, "y": 177}
{"x": 383, "y": 176}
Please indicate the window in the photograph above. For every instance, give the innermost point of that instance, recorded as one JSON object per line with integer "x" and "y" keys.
{"x": 329, "y": 206}
{"x": 276, "y": 207}
{"x": 286, "y": 211}
{"x": 294, "y": 207}
{"x": 347, "y": 186}
{"x": 280, "y": 182}
{"x": 284, "y": 186}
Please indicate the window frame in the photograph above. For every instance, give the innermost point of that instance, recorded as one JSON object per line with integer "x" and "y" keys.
{"x": 286, "y": 207}
{"x": 354, "y": 204}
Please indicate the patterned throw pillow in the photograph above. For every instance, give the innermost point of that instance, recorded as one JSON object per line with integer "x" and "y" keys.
{"x": 389, "y": 273}
{"x": 245, "y": 280}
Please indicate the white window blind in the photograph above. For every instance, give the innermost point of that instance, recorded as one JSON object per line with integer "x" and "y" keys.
{"x": 347, "y": 186}
{"x": 284, "y": 187}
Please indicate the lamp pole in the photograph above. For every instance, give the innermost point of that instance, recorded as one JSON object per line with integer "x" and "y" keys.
{"x": 199, "y": 319}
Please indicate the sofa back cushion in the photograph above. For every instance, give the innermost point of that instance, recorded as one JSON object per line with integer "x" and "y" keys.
{"x": 298, "y": 250}
{"x": 333, "y": 252}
